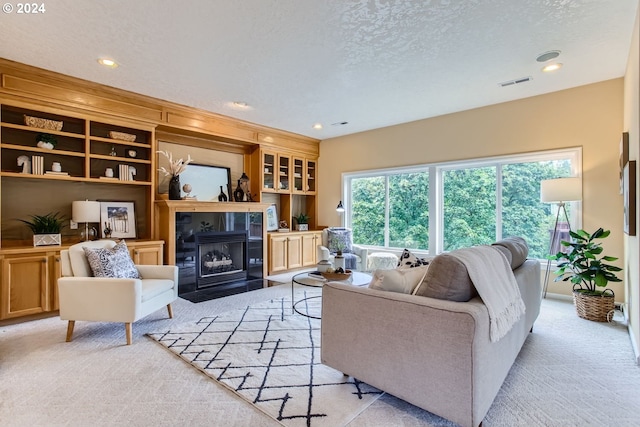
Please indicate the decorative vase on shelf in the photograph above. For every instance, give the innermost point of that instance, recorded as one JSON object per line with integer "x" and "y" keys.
{"x": 174, "y": 187}
{"x": 222, "y": 197}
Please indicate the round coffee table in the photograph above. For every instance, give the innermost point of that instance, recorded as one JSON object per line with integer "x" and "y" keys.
{"x": 310, "y": 279}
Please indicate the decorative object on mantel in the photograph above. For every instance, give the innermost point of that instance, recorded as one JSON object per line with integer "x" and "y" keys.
{"x": 187, "y": 188}
{"x": 38, "y": 122}
{"x": 46, "y": 229}
{"x": 46, "y": 141}
{"x": 586, "y": 271}
{"x": 25, "y": 162}
{"x": 302, "y": 221}
{"x": 122, "y": 136}
{"x": 242, "y": 192}
{"x": 222, "y": 197}
{"x": 175, "y": 169}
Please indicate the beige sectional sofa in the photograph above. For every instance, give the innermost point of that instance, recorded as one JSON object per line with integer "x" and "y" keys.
{"x": 433, "y": 353}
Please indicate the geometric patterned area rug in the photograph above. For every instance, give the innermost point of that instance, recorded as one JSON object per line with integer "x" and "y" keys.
{"x": 271, "y": 357}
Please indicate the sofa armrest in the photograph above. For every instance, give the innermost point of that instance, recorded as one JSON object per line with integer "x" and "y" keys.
{"x": 99, "y": 299}
{"x": 363, "y": 253}
{"x": 167, "y": 272}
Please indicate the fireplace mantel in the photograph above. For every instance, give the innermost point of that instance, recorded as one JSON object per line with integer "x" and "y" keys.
{"x": 166, "y": 213}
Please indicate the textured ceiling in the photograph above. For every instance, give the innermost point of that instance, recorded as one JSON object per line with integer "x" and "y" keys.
{"x": 298, "y": 62}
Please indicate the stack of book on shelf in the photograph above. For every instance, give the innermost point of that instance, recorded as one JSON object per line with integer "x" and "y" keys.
{"x": 124, "y": 174}
{"x": 37, "y": 165}
{"x": 57, "y": 173}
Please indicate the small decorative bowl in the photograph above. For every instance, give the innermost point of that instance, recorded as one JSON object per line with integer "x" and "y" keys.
{"x": 337, "y": 276}
{"x": 122, "y": 136}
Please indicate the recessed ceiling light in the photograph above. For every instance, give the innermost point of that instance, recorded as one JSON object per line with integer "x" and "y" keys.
{"x": 317, "y": 126}
{"x": 107, "y": 62}
{"x": 552, "y": 67}
{"x": 240, "y": 105}
{"x": 548, "y": 56}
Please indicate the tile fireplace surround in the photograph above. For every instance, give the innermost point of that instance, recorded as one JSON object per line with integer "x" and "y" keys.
{"x": 219, "y": 247}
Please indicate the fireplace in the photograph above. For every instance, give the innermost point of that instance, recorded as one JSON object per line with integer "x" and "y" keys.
{"x": 221, "y": 257}
{"x": 217, "y": 253}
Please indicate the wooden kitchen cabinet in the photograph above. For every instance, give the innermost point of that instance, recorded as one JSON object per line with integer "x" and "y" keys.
{"x": 146, "y": 252}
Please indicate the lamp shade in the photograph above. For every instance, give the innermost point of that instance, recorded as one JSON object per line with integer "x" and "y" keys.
{"x": 340, "y": 207}
{"x": 561, "y": 190}
{"x": 85, "y": 211}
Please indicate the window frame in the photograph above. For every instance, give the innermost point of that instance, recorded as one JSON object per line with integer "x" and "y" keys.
{"x": 436, "y": 189}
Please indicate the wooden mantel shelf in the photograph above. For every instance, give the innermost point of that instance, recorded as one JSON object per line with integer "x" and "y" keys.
{"x": 174, "y": 206}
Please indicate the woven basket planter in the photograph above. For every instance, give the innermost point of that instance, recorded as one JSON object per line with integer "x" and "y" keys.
{"x": 599, "y": 308}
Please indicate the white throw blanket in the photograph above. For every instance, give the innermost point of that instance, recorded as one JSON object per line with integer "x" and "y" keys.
{"x": 493, "y": 278}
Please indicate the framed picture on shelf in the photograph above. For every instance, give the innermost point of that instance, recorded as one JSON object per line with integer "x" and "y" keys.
{"x": 629, "y": 197}
{"x": 119, "y": 218}
{"x": 272, "y": 218}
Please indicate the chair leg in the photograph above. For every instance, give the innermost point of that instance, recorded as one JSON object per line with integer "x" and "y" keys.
{"x": 129, "y": 330}
{"x": 70, "y": 326}
{"x": 170, "y": 310}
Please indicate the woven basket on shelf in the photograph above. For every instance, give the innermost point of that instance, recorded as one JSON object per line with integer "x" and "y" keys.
{"x": 41, "y": 123}
{"x": 599, "y": 308}
{"x": 122, "y": 136}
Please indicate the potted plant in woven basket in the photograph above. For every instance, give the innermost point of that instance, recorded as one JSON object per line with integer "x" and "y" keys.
{"x": 585, "y": 266}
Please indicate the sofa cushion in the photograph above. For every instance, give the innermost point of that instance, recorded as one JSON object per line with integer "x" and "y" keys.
{"x": 518, "y": 248}
{"x": 339, "y": 239}
{"x": 112, "y": 262}
{"x": 402, "y": 280}
{"x": 447, "y": 278}
{"x": 409, "y": 260}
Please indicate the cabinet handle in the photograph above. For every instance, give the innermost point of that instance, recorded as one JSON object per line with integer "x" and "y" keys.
{"x": 57, "y": 259}
{"x": 136, "y": 252}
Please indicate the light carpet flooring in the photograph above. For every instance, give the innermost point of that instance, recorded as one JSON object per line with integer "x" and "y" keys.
{"x": 570, "y": 372}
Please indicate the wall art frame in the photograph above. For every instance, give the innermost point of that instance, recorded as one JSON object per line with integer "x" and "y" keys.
{"x": 272, "y": 218}
{"x": 629, "y": 197}
{"x": 624, "y": 156}
{"x": 120, "y": 216}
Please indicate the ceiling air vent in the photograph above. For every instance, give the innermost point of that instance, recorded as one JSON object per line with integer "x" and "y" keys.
{"x": 515, "y": 82}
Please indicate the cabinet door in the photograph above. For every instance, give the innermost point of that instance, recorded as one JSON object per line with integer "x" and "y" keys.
{"x": 269, "y": 170}
{"x": 299, "y": 176}
{"x": 294, "y": 251}
{"x": 309, "y": 245}
{"x": 277, "y": 253}
{"x": 25, "y": 286}
{"x": 146, "y": 255}
{"x": 310, "y": 171}
{"x": 284, "y": 174}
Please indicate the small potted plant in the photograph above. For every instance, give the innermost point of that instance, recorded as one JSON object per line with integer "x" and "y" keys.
{"x": 302, "y": 222}
{"x": 47, "y": 141}
{"x": 585, "y": 266}
{"x": 46, "y": 229}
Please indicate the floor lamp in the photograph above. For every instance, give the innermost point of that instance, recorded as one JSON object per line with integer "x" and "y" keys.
{"x": 559, "y": 191}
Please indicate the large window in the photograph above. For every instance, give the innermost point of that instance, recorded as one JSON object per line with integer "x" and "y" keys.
{"x": 447, "y": 206}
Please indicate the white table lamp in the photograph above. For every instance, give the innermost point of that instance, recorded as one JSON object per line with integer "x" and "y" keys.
{"x": 85, "y": 211}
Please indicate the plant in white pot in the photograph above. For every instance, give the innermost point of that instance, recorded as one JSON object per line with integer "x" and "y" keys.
{"x": 585, "y": 266}
{"x": 302, "y": 222}
{"x": 46, "y": 229}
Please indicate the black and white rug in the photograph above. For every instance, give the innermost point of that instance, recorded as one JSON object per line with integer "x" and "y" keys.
{"x": 271, "y": 358}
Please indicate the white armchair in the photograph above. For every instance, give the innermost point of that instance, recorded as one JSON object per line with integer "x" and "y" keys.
{"x": 104, "y": 299}
{"x": 325, "y": 252}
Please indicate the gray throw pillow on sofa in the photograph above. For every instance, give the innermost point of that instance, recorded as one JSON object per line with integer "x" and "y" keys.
{"x": 447, "y": 278}
{"x": 518, "y": 248}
